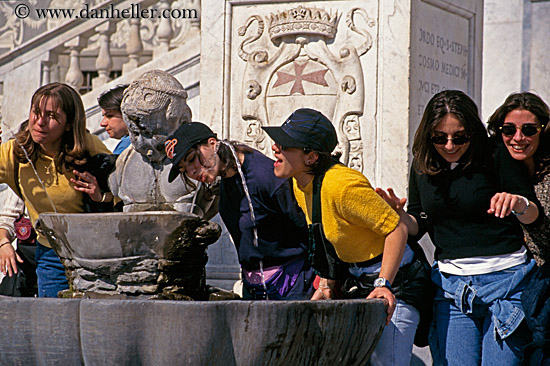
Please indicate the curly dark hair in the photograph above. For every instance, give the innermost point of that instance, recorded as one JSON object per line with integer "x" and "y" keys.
{"x": 462, "y": 107}
{"x": 534, "y": 104}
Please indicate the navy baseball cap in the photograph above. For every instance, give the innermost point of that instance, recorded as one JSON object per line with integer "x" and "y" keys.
{"x": 305, "y": 128}
{"x": 178, "y": 144}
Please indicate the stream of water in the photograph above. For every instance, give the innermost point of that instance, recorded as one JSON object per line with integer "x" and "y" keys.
{"x": 252, "y": 216}
{"x": 37, "y": 176}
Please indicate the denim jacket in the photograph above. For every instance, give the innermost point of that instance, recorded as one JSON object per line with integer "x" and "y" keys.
{"x": 500, "y": 291}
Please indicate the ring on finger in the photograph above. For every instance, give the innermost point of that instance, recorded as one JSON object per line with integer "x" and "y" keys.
{"x": 86, "y": 185}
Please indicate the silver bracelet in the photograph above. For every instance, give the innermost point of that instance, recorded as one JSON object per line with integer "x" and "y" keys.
{"x": 527, "y": 204}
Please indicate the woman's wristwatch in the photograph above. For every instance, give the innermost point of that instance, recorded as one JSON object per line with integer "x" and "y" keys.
{"x": 382, "y": 282}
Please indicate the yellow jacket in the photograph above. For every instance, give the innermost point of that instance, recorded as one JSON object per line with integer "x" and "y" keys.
{"x": 356, "y": 220}
{"x": 58, "y": 185}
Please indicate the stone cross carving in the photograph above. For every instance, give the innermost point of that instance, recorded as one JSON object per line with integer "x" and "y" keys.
{"x": 289, "y": 66}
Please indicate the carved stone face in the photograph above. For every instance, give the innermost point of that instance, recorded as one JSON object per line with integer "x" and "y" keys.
{"x": 154, "y": 106}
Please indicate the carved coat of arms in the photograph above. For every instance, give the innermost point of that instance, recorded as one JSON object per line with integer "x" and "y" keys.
{"x": 289, "y": 65}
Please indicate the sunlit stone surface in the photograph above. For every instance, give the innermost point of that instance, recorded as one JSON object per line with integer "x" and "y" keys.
{"x": 225, "y": 333}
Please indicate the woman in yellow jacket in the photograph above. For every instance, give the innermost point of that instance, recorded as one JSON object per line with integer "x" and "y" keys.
{"x": 40, "y": 165}
{"x": 365, "y": 232}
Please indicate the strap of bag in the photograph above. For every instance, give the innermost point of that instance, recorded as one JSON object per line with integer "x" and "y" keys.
{"x": 322, "y": 254}
{"x": 16, "y": 177}
{"x": 24, "y": 231}
{"x": 316, "y": 214}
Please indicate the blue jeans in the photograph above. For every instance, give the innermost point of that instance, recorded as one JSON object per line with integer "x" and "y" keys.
{"x": 395, "y": 345}
{"x": 49, "y": 272}
{"x": 479, "y": 319}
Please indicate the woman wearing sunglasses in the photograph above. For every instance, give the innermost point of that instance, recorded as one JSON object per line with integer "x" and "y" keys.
{"x": 521, "y": 122}
{"x": 471, "y": 197}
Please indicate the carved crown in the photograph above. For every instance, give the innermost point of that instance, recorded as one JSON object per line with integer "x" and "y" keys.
{"x": 303, "y": 20}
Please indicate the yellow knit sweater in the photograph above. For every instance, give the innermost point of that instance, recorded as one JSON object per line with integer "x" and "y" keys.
{"x": 356, "y": 220}
{"x": 58, "y": 185}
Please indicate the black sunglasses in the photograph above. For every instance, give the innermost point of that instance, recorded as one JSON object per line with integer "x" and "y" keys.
{"x": 457, "y": 140}
{"x": 283, "y": 147}
{"x": 528, "y": 129}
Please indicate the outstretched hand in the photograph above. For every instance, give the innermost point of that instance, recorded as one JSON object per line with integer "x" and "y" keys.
{"x": 502, "y": 204}
{"x": 398, "y": 204}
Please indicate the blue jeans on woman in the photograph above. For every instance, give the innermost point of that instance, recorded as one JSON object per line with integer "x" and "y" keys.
{"x": 479, "y": 319}
{"x": 396, "y": 342}
{"x": 49, "y": 272}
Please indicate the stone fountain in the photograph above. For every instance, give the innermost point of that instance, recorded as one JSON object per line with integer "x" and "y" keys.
{"x": 156, "y": 254}
{"x": 119, "y": 264}
{"x": 156, "y": 248}
{"x": 215, "y": 333}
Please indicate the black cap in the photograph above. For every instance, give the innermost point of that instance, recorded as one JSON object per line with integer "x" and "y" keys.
{"x": 186, "y": 136}
{"x": 305, "y": 128}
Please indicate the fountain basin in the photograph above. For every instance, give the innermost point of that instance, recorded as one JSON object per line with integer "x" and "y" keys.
{"x": 148, "y": 332}
{"x": 138, "y": 253}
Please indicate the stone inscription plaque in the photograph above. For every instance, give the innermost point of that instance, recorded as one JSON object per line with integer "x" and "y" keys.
{"x": 440, "y": 51}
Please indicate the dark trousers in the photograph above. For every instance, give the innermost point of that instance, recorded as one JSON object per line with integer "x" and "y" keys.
{"x": 22, "y": 284}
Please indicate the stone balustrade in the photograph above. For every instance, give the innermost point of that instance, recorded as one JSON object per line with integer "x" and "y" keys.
{"x": 77, "y": 48}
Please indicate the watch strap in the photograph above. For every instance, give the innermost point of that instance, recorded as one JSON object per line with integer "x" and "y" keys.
{"x": 382, "y": 282}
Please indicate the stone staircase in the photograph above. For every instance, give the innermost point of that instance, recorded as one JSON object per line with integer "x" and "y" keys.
{"x": 93, "y": 54}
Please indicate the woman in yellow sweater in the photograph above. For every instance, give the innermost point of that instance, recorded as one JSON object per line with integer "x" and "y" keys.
{"x": 40, "y": 165}
{"x": 365, "y": 232}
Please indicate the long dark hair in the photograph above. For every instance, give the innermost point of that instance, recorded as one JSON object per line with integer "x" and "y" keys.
{"x": 73, "y": 148}
{"x": 462, "y": 107}
{"x": 227, "y": 159}
{"x": 534, "y": 104}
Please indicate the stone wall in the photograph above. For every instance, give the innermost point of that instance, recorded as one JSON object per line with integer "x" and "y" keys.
{"x": 369, "y": 66}
{"x": 514, "y": 51}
